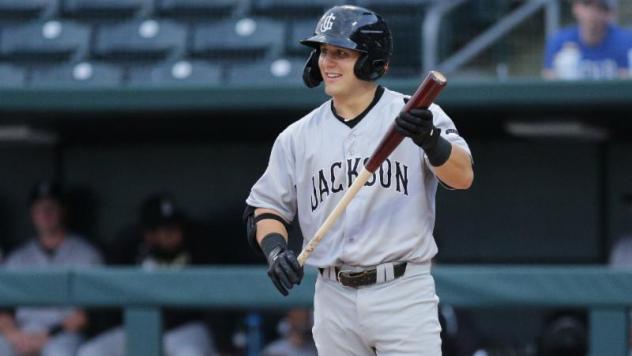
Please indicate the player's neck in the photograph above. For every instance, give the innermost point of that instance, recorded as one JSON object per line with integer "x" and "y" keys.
{"x": 350, "y": 105}
{"x": 51, "y": 240}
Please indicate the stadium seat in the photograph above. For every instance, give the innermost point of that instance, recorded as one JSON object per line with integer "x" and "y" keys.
{"x": 288, "y": 9}
{"x": 83, "y": 74}
{"x": 44, "y": 41}
{"x": 23, "y": 9}
{"x": 12, "y": 76}
{"x": 101, "y": 8}
{"x": 183, "y": 72}
{"x": 196, "y": 8}
{"x": 139, "y": 40}
{"x": 239, "y": 39}
{"x": 267, "y": 72}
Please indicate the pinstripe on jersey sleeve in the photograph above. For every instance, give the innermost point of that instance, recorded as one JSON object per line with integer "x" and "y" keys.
{"x": 276, "y": 188}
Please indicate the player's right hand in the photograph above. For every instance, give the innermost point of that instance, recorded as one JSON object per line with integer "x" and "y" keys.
{"x": 284, "y": 270}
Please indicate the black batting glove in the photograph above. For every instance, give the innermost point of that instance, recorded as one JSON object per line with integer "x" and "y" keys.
{"x": 418, "y": 125}
{"x": 283, "y": 267}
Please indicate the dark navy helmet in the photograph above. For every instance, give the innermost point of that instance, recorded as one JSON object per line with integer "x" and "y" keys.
{"x": 46, "y": 189}
{"x": 354, "y": 28}
{"x": 161, "y": 210}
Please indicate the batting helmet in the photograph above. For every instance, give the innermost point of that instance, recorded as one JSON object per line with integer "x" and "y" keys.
{"x": 46, "y": 189}
{"x": 355, "y": 28}
{"x": 160, "y": 210}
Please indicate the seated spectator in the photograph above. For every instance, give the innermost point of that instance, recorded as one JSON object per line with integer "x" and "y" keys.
{"x": 595, "y": 48}
{"x": 164, "y": 244}
{"x": 458, "y": 336}
{"x": 296, "y": 336}
{"x": 54, "y": 330}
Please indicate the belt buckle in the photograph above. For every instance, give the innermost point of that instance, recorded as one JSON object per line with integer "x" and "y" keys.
{"x": 350, "y": 276}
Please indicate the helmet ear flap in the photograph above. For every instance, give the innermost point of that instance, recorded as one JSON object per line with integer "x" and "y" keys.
{"x": 369, "y": 69}
{"x": 361, "y": 70}
{"x": 311, "y": 72}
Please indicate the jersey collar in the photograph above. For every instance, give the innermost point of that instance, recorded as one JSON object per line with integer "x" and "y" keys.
{"x": 351, "y": 123}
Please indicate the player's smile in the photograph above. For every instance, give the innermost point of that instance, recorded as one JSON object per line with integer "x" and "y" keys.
{"x": 331, "y": 77}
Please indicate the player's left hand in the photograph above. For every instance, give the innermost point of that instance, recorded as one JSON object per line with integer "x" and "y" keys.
{"x": 417, "y": 124}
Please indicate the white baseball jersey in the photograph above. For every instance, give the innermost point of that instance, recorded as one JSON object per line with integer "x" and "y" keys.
{"x": 315, "y": 160}
{"x": 73, "y": 252}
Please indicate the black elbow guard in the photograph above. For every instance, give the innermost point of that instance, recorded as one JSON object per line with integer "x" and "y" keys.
{"x": 251, "y": 228}
{"x": 251, "y": 225}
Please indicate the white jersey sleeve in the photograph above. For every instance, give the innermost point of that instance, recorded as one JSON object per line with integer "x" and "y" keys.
{"x": 448, "y": 129}
{"x": 276, "y": 189}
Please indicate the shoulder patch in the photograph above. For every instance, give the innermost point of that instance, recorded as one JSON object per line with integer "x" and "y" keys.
{"x": 451, "y": 131}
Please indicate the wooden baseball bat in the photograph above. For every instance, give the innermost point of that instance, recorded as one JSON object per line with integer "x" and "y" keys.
{"x": 425, "y": 94}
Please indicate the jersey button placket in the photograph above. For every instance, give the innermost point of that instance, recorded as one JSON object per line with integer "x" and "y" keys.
{"x": 349, "y": 150}
{"x": 351, "y": 141}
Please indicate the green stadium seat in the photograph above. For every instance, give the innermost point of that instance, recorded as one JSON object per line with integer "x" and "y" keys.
{"x": 267, "y": 72}
{"x": 139, "y": 40}
{"x": 44, "y": 41}
{"x": 12, "y": 76}
{"x": 83, "y": 74}
{"x": 238, "y": 39}
{"x": 101, "y": 8}
{"x": 19, "y": 10}
{"x": 178, "y": 73}
{"x": 196, "y": 8}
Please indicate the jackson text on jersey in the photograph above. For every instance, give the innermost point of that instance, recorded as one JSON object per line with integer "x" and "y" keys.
{"x": 340, "y": 175}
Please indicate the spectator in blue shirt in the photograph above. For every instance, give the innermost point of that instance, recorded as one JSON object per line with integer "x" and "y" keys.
{"x": 595, "y": 48}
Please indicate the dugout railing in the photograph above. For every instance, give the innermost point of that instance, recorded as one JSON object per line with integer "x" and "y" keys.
{"x": 606, "y": 293}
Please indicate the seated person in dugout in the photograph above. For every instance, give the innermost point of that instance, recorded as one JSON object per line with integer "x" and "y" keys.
{"x": 164, "y": 245}
{"x": 47, "y": 331}
{"x": 296, "y": 335}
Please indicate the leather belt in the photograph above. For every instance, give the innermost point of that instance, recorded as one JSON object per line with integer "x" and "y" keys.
{"x": 365, "y": 277}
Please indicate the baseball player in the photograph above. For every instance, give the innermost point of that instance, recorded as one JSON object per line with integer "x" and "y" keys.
{"x": 47, "y": 330}
{"x": 374, "y": 292}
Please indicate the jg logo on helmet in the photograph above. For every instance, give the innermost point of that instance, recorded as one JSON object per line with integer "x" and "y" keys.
{"x": 328, "y": 23}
